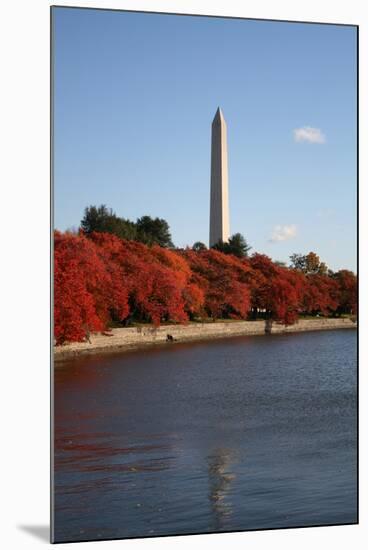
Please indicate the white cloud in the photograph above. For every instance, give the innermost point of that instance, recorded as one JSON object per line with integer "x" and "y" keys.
{"x": 309, "y": 134}
{"x": 283, "y": 233}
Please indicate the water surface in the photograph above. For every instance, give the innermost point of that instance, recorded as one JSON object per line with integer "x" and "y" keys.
{"x": 235, "y": 434}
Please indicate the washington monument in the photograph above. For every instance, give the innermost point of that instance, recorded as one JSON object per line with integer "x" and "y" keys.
{"x": 219, "y": 207}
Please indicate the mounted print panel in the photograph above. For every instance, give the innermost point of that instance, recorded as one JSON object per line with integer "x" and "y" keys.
{"x": 205, "y": 278}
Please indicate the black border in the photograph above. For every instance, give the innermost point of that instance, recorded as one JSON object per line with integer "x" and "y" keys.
{"x": 358, "y": 259}
{"x": 51, "y": 156}
{"x": 51, "y": 335}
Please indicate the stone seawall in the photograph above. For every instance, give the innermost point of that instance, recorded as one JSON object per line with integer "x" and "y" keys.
{"x": 121, "y": 339}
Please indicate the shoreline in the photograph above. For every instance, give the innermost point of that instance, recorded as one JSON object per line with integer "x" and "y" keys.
{"x": 128, "y": 339}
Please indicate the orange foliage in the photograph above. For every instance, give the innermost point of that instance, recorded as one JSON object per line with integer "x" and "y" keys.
{"x": 102, "y": 279}
{"x": 87, "y": 290}
{"x": 222, "y": 280}
{"x": 275, "y": 289}
{"x": 347, "y": 291}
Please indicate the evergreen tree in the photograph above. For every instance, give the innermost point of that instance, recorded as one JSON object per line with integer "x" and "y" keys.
{"x": 198, "y": 246}
{"x": 154, "y": 231}
{"x": 236, "y": 245}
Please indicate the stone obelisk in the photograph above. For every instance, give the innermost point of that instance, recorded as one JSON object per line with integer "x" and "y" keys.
{"x": 219, "y": 207}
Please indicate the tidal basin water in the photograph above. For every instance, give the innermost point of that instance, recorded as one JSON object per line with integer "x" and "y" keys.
{"x": 234, "y": 434}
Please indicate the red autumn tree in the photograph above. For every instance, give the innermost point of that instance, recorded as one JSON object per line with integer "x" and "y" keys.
{"x": 191, "y": 293}
{"x": 347, "y": 291}
{"x": 154, "y": 278}
{"x": 222, "y": 280}
{"x": 86, "y": 289}
{"x": 275, "y": 289}
{"x": 321, "y": 295}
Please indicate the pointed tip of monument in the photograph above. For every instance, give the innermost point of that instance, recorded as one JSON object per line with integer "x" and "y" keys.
{"x": 219, "y": 114}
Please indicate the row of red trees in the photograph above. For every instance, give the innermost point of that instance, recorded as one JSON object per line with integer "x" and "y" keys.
{"x": 102, "y": 279}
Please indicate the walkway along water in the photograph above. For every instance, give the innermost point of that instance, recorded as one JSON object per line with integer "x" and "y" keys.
{"x": 128, "y": 338}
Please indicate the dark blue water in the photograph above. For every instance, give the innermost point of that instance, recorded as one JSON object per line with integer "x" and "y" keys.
{"x": 245, "y": 433}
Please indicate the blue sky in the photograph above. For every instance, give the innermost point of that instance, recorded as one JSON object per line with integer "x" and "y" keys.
{"x": 135, "y": 95}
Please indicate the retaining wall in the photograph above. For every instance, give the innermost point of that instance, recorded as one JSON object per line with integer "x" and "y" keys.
{"x": 128, "y": 338}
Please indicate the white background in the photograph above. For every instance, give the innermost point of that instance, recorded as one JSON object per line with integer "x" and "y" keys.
{"x": 24, "y": 272}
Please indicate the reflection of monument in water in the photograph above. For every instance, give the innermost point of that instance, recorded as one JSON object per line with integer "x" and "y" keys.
{"x": 219, "y": 205}
{"x": 220, "y": 479}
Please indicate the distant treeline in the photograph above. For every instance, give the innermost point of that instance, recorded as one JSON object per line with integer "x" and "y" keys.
{"x": 146, "y": 230}
{"x": 103, "y": 280}
{"x": 149, "y": 231}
